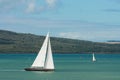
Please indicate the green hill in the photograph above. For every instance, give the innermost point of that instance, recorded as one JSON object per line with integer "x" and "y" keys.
{"x": 12, "y": 42}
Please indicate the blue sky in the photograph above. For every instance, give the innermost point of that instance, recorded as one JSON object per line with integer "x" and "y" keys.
{"x": 94, "y": 20}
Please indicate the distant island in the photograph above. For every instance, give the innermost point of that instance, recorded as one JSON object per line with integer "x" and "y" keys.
{"x": 113, "y": 42}
{"x": 12, "y": 42}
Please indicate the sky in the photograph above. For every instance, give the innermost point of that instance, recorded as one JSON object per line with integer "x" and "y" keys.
{"x": 93, "y": 20}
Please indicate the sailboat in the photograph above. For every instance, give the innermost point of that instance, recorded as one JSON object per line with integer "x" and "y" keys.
{"x": 44, "y": 59}
{"x": 93, "y": 57}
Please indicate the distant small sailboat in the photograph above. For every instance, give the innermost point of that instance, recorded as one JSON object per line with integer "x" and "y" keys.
{"x": 44, "y": 59}
{"x": 93, "y": 59}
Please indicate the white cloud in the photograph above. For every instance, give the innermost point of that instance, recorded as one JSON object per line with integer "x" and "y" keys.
{"x": 92, "y": 35}
{"x": 51, "y": 3}
{"x": 30, "y": 7}
{"x": 72, "y": 35}
{"x": 79, "y": 35}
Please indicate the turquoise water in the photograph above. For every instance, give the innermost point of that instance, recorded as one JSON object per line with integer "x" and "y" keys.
{"x": 68, "y": 67}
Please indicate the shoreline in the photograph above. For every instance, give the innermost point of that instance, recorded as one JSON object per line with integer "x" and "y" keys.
{"x": 62, "y": 53}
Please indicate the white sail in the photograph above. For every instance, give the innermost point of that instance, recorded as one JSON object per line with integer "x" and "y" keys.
{"x": 94, "y": 57}
{"x": 49, "y": 59}
{"x": 40, "y": 59}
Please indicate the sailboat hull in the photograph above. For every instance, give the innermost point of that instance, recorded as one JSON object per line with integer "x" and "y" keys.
{"x": 38, "y": 69}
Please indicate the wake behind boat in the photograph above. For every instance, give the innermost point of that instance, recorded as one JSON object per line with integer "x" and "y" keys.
{"x": 44, "y": 59}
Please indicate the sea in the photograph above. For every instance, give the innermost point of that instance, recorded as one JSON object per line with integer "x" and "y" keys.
{"x": 67, "y": 67}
